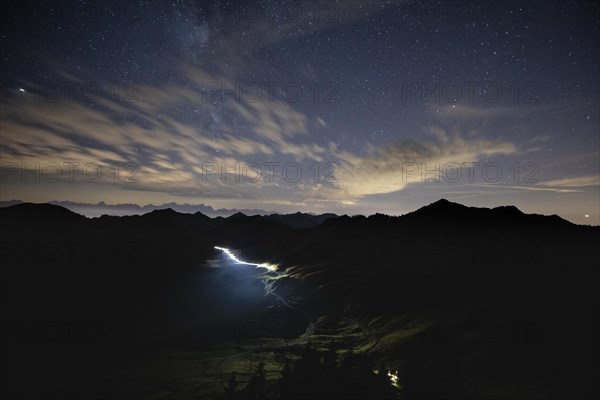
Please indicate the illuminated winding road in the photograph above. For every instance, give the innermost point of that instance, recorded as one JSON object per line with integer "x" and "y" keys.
{"x": 269, "y": 278}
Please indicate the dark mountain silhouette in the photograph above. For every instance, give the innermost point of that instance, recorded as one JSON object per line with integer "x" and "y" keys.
{"x": 29, "y": 212}
{"x": 443, "y": 207}
{"x": 458, "y": 299}
{"x": 237, "y": 215}
{"x": 300, "y": 220}
{"x": 443, "y": 211}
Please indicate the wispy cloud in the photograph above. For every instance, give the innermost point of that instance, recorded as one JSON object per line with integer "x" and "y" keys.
{"x": 577, "y": 181}
{"x": 391, "y": 168}
{"x": 170, "y": 131}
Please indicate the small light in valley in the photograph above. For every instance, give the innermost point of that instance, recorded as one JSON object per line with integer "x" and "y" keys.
{"x": 393, "y": 378}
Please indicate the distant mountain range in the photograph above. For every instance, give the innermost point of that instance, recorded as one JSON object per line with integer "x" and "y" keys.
{"x": 101, "y": 208}
{"x": 296, "y": 220}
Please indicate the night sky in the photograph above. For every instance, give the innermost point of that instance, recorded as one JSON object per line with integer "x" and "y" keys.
{"x": 317, "y": 106}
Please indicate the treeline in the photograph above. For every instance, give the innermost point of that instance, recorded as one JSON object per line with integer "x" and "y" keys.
{"x": 317, "y": 375}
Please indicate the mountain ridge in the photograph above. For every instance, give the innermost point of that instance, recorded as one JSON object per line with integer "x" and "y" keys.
{"x": 433, "y": 212}
{"x": 124, "y": 209}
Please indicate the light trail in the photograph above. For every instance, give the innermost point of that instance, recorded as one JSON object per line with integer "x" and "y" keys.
{"x": 230, "y": 254}
{"x": 268, "y": 281}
